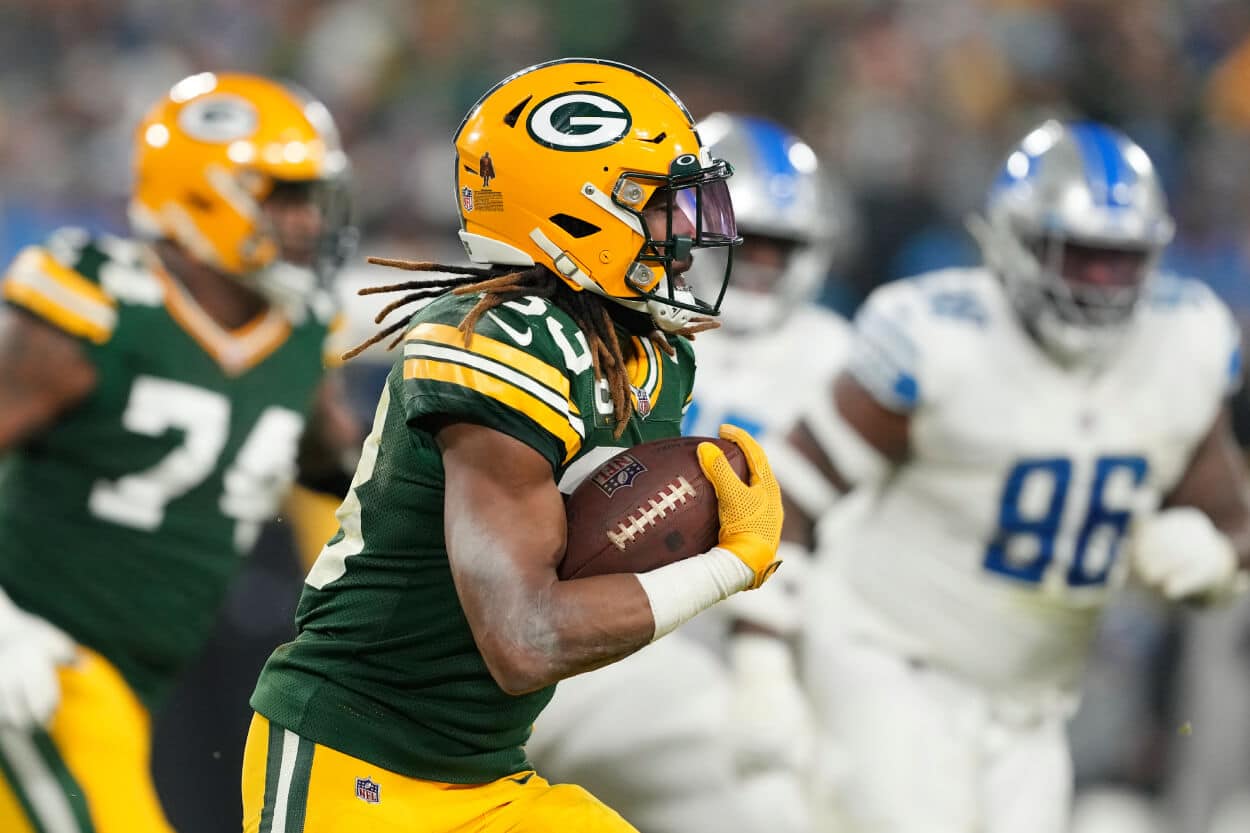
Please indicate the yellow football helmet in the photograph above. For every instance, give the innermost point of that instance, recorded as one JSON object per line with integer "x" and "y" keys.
{"x": 210, "y": 152}
{"x": 555, "y": 164}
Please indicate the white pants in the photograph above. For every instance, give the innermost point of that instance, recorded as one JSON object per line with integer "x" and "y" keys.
{"x": 903, "y": 748}
{"x": 646, "y": 735}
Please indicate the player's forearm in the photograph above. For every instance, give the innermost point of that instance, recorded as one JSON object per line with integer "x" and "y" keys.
{"x": 567, "y": 628}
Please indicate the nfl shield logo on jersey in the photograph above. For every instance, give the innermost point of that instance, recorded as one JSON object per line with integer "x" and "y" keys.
{"x": 368, "y": 790}
{"x": 643, "y": 400}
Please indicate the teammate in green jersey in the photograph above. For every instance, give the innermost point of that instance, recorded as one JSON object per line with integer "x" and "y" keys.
{"x": 432, "y": 628}
{"x": 156, "y": 397}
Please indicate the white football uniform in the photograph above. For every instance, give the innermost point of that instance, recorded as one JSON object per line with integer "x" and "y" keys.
{"x": 760, "y": 381}
{"x": 956, "y": 599}
{"x": 647, "y": 735}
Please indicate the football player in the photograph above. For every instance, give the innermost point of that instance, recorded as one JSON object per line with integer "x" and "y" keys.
{"x": 155, "y": 395}
{"x": 432, "y": 628}
{"x": 673, "y": 737}
{"x": 1019, "y": 437}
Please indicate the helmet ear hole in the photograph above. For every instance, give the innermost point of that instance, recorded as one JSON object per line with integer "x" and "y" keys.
{"x": 576, "y": 227}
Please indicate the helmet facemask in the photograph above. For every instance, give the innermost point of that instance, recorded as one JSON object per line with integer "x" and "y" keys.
{"x": 1076, "y": 318}
{"x": 697, "y": 213}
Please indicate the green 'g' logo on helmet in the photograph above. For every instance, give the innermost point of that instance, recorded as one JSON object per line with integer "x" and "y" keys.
{"x": 579, "y": 121}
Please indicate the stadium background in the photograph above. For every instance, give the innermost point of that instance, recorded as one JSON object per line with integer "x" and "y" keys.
{"x": 911, "y": 106}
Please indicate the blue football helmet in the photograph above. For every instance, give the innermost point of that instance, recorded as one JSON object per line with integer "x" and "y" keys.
{"x": 780, "y": 195}
{"x": 1075, "y": 187}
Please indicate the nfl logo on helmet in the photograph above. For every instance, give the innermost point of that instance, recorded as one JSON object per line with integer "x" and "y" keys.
{"x": 466, "y": 198}
{"x": 368, "y": 790}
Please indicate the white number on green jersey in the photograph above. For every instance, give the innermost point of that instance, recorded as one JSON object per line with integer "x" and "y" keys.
{"x": 253, "y": 485}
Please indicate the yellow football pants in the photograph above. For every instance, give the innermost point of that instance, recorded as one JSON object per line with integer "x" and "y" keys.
{"x": 89, "y": 772}
{"x": 292, "y": 784}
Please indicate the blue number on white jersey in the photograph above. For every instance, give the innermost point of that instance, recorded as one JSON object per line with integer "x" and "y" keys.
{"x": 1102, "y": 523}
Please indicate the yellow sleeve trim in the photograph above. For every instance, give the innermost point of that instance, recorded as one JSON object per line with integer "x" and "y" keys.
{"x": 531, "y": 366}
{"x": 32, "y": 299}
{"x": 506, "y": 393}
{"x": 59, "y": 294}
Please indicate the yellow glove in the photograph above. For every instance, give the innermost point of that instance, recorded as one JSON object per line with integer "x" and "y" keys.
{"x": 750, "y": 513}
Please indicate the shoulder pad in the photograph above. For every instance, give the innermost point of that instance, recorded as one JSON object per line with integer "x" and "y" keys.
{"x": 513, "y": 372}
{"x": 885, "y": 355}
{"x": 60, "y": 283}
{"x": 1195, "y": 316}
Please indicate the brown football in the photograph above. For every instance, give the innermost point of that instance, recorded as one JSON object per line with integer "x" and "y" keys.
{"x": 646, "y": 507}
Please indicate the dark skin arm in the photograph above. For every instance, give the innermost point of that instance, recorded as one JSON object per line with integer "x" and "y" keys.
{"x": 505, "y": 527}
{"x": 43, "y": 372}
{"x": 1217, "y": 482}
{"x": 883, "y": 429}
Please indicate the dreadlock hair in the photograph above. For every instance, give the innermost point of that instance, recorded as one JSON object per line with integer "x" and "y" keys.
{"x": 499, "y": 285}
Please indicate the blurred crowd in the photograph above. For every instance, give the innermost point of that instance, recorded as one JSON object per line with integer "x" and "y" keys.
{"x": 911, "y": 103}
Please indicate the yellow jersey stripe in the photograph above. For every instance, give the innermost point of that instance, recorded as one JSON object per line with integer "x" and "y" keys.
{"x": 526, "y": 363}
{"x": 646, "y": 370}
{"x": 40, "y": 261}
{"x": 561, "y": 404}
{"x": 638, "y": 364}
{"x": 51, "y": 309}
{"x": 503, "y": 392}
{"x": 235, "y": 351}
{"x": 59, "y": 294}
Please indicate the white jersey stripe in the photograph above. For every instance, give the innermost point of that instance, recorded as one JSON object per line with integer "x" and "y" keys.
{"x": 38, "y": 783}
{"x": 290, "y": 744}
{"x": 559, "y": 404}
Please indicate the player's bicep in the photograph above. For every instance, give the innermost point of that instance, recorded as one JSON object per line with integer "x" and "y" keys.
{"x": 505, "y": 530}
{"x": 43, "y": 372}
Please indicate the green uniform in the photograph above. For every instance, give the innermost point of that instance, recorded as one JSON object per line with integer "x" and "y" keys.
{"x": 385, "y": 668}
{"x": 124, "y": 521}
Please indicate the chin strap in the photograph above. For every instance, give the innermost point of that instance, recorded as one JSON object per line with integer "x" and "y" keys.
{"x": 668, "y": 318}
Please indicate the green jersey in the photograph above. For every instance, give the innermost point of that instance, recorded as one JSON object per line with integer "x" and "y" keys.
{"x": 385, "y": 668}
{"x": 123, "y": 522}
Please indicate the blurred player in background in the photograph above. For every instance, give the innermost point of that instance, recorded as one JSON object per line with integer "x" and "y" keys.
{"x": 432, "y": 627}
{"x": 1008, "y": 431}
{"x": 156, "y": 398}
{"x": 672, "y": 737}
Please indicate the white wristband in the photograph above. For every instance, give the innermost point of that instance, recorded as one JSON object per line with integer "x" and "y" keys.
{"x": 682, "y": 589}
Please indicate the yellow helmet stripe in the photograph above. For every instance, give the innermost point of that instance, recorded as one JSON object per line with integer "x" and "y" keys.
{"x": 515, "y": 398}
